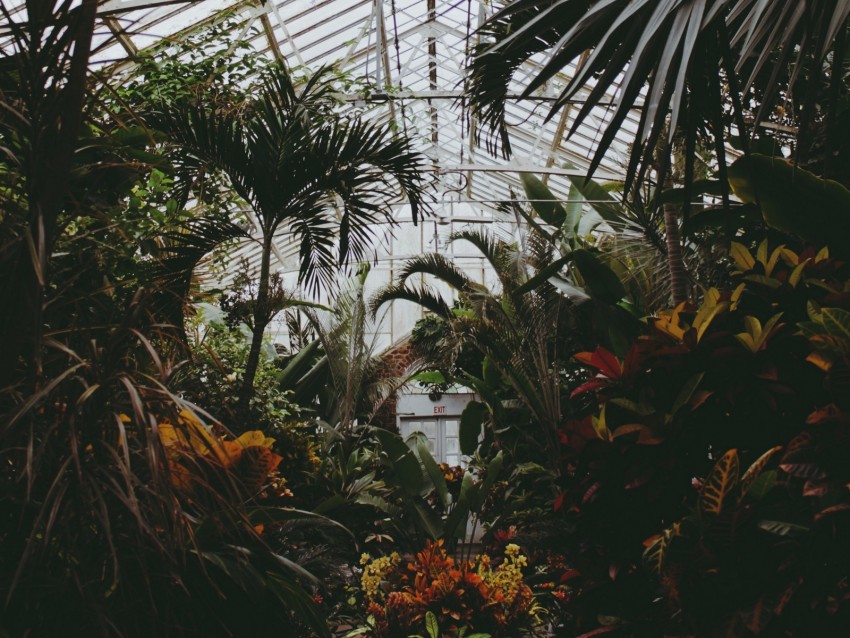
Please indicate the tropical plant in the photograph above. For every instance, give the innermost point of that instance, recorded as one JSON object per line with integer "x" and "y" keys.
{"x": 212, "y": 377}
{"x": 302, "y": 167}
{"x": 43, "y": 92}
{"x": 526, "y": 332}
{"x": 100, "y": 532}
{"x": 357, "y": 382}
{"x": 746, "y": 370}
{"x": 698, "y": 67}
{"x": 446, "y": 597}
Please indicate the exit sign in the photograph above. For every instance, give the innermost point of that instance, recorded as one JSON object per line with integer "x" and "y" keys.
{"x": 439, "y": 409}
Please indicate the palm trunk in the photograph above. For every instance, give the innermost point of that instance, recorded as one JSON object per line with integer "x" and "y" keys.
{"x": 261, "y": 320}
{"x": 675, "y": 262}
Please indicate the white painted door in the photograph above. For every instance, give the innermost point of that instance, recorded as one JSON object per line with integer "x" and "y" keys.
{"x": 442, "y": 434}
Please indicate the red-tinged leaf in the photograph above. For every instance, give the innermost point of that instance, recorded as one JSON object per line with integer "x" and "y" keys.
{"x": 799, "y": 442}
{"x": 803, "y": 470}
{"x": 787, "y": 595}
{"x": 824, "y": 415}
{"x": 639, "y": 481}
{"x": 590, "y": 493}
{"x": 559, "y": 502}
{"x": 645, "y": 434}
{"x": 602, "y": 360}
{"x": 613, "y": 570}
{"x": 700, "y": 397}
{"x": 570, "y": 574}
{"x": 759, "y": 616}
{"x": 770, "y": 374}
{"x": 632, "y": 363}
{"x": 832, "y": 510}
{"x": 813, "y": 488}
{"x": 592, "y": 385}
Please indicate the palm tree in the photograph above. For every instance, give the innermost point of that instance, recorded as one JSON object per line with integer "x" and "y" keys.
{"x": 525, "y": 331}
{"x": 698, "y": 65}
{"x": 302, "y": 167}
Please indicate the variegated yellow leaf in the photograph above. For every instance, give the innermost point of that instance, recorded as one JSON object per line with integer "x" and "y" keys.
{"x": 755, "y": 469}
{"x": 719, "y": 482}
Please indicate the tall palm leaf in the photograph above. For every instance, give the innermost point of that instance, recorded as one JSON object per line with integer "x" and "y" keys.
{"x": 325, "y": 178}
{"x": 358, "y": 385}
{"x": 677, "y": 57}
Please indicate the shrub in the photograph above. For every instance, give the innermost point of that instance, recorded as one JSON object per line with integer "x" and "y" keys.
{"x": 482, "y": 595}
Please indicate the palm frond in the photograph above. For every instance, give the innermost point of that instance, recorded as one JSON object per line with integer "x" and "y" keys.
{"x": 663, "y": 53}
{"x": 437, "y": 266}
{"x": 421, "y": 296}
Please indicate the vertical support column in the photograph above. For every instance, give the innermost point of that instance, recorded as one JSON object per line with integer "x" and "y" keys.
{"x": 473, "y": 122}
{"x": 432, "y": 70}
{"x": 384, "y": 54}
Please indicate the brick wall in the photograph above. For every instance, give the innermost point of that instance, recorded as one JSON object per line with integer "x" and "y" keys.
{"x": 397, "y": 360}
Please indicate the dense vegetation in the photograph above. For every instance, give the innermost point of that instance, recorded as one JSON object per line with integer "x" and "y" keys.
{"x": 660, "y": 438}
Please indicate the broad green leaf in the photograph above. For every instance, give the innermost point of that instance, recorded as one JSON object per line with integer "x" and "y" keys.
{"x": 544, "y": 274}
{"x": 455, "y": 526}
{"x": 429, "y": 376}
{"x": 543, "y": 201}
{"x": 720, "y": 481}
{"x": 494, "y": 468}
{"x": 762, "y": 484}
{"x": 427, "y": 519}
{"x": 402, "y": 460}
{"x": 298, "y": 365}
{"x": 636, "y": 408}
{"x": 573, "y": 293}
{"x": 379, "y": 503}
{"x": 837, "y": 322}
{"x": 471, "y": 422}
{"x": 599, "y": 280}
{"x": 742, "y": 257}
{"x": 431, "y": 625}
{"x": 573, "y": 211}
{"x": 794, "y": 200}
{"x": 434, "y": 473}
{"x": 598, "y": 198}
{"x": 698, "y": 188}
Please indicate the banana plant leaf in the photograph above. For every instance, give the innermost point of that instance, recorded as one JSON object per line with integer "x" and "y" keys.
{"x": 795, "y": 201}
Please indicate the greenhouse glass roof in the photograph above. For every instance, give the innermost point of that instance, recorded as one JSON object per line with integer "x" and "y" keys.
{"x": 412, "y": 55}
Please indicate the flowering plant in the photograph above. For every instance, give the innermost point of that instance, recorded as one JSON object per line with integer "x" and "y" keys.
{"x": 195, "y": 451}
{"x": 483, "y": 594}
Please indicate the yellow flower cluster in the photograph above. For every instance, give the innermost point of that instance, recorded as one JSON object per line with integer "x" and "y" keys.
{"x": 509, "y": 593}
{"x": 375, "y": 571}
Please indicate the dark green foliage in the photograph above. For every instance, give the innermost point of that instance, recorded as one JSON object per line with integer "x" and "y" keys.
{"x": 732, "y": 374}
{"x": 212, "y": 378}
{"x": 290, "y": 156}
{"x": 102, "y": 535}
{"x": 699, "y": 64}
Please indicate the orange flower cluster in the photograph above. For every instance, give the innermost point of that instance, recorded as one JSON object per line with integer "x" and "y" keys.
{"x": 193, "y": 449}
{"x": 472, "y": 594}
